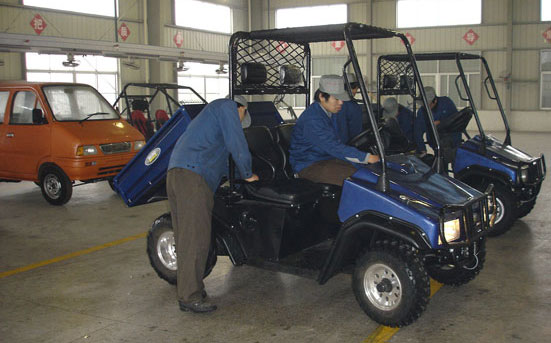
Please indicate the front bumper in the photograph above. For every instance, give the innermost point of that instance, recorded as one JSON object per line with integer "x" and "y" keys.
{"x": 90, "y": 168}
{"x": 528, "y": 190}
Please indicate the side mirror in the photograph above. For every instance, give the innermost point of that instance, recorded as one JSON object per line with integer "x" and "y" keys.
{"x": 38, "y": 117}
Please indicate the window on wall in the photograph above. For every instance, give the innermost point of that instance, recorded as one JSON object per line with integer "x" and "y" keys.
{"x": 442, "y": 76}
{"x": 545, "y": 85}
{"x": 309, "y": 16}
{"x": 97, "y": 71}
{"x": 202, "y": 15}
{"x": 427, "y": 13}
{"x": 545, "y": 10}
{"x": 202, "y": 77}
{"x": 99, "y": 7}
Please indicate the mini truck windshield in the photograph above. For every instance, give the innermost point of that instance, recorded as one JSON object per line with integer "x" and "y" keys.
{"x": 78, "y": 103}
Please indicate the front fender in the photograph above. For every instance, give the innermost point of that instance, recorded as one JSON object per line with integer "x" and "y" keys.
{"x": 361, "y": 231}
{"x": 475, "y": 175}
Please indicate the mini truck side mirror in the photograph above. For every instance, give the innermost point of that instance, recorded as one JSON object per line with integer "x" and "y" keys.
{"x": 38, "y": 117}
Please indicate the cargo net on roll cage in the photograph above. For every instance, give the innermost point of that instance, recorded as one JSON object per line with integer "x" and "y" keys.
{"x": 273, "y": 55}
{"x": 395, "y": 77}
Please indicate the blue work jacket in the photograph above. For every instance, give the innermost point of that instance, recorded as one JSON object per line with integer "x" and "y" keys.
{"x": 444, "y": 108}
{"x": 315, "y": 139}
{"x": 348, "y": 121}
{"x": 405, "y": 120}
{"x": 205, "y": 145}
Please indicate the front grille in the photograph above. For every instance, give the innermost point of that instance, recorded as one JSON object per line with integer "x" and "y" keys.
{"x": 115, "y": 148}
{"x": 110, "y": 170}
{"x": 474, "y": 218}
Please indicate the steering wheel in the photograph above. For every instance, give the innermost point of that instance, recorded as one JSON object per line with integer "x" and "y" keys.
{"x": 365, "y": 140}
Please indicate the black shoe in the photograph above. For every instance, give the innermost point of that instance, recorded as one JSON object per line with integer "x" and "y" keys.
{"x": 199, "y": 306}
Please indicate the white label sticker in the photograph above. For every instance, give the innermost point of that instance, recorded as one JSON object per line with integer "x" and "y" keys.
{"x": 152, "y": 156}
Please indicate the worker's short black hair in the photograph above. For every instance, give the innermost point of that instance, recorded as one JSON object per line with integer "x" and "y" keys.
{"x": 323, "y": 94}
{"x": 239, "y": 105}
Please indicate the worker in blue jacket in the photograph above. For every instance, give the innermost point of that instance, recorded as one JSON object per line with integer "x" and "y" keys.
{"x": 404, "y": 117}
{"x": 348, "y": 122}
{"x": 316, "y": 151}
{"x": 198, "y": 162}
{"x": 441, "y": 107}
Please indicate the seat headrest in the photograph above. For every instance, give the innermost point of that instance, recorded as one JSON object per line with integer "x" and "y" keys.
{"x": 139, "y": 104}
{"x": 253, "y": 73}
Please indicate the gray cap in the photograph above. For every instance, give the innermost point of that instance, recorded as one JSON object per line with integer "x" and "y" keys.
{"x": 351, "y": 77}
{"x": 430, "y": 93}
{"x": 240, "y": 99}
{"x": 390, "y": 108}
{"x": 334, "y": 85}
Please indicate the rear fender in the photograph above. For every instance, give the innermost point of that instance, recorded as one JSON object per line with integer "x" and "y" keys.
{"x": 227, "y": 242}
{"x": 360, "y": 233}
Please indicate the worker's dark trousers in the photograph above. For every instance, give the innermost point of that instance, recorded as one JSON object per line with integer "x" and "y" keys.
{"x": 328, "y": 171}
{"x": 191, "y": 201}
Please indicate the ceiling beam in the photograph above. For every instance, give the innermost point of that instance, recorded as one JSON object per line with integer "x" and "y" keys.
{"x": 10, "y": 42}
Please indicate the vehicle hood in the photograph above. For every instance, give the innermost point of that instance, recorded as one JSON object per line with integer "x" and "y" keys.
{"x": 412, "y": 179}
{"x": 100, "y": 131}
{"x": 495, "y": 149}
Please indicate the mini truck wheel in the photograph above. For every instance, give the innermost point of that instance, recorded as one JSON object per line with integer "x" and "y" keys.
{"x": 55, "y": 185}
{"x": 161, "y": 250}
{"x": 391, "y": 284}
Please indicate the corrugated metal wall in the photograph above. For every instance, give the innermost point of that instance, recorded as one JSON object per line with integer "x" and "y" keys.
{"x": 522, "y": 47}
{"x": 494, "y": 40}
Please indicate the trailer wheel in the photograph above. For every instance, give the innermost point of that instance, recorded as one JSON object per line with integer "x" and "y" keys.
{"x": 161, "y": 250}
{"x": 506, "y": 211}
{"x": 391, "y": 284}
{"x": 56, "y": 186}
{"x": 450, "y": 274}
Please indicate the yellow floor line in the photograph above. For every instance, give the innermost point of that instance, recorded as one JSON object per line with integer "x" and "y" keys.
{"x": 71, "y": 255}
{"x": 383, "y": 334}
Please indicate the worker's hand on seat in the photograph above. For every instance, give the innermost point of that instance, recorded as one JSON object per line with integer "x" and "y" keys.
{"x": 253, "y": 178}
{"x": 373, "y": 158}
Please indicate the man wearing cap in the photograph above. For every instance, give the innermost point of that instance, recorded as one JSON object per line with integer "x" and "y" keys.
{"x": 316, "y": 151}
{"x": 198, "y": 162}
{"x": 441, "y": 107}
{"x": 393, "y": 110}
{"x": 348, "y": 122}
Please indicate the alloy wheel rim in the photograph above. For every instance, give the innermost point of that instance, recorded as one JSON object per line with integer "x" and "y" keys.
{"x": 166, "y": 250}
{"x": 379, "y": 275}
{"x": 500, "y": 210}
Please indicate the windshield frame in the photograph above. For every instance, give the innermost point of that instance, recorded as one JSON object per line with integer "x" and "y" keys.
{"x": 82, "y": 86}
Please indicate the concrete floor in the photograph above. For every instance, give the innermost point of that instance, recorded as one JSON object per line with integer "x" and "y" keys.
{"x": 113, "y": 295}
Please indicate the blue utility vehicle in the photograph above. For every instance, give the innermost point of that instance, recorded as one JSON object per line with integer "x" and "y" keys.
{"x": 391, "y": 224}
{"x": 480, "y": 160}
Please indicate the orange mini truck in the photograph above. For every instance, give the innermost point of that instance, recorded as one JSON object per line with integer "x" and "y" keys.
{"x": 56, "y": 134}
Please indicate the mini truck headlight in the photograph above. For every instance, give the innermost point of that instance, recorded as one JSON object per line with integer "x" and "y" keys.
{"x": 85, "y": 150}
{"x": 452, "y": 230}
{"x": 138, "y": 145}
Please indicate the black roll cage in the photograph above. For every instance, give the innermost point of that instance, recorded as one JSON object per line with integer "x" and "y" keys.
{"x": 302, "y": 37}
{"x": 157, "y": 88}
{"x": 458, "y": 57}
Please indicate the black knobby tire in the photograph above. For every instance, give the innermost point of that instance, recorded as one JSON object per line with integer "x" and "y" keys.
{"x": 161, "y": 250}
{"x": 55, "y": 185}
{"x": 391, "y": 284}
{"x": 526, "y": 208}
{"x": 506, "y": 211}
{"x": 455, "y": 275}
